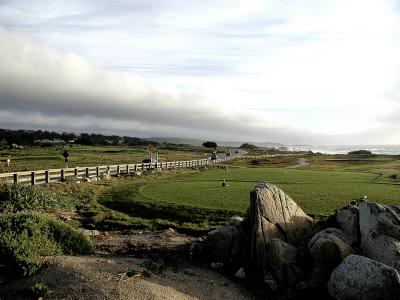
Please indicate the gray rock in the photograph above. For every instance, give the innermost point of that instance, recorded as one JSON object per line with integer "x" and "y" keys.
{"x": 380, "y": 233}
{"x": 269, "y": 282}
{"x": 89, "y": 232}
{"x": 241, "y": 274}
{"x": 106, "y": 176}
{"x": 216, "y": 265}
{"x": 358, "y": 277}
{"x": 235, "y": 221}
{"x": 281, "y": 262}
{"x": 225, "y": 244}
{"x": 87, "y": 179}
{"x": 347, "y": 221}
{"x": 274, "y": 215}
{"x": 328, "y": 248}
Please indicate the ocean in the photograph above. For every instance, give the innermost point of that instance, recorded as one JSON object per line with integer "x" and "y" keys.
{"x": 344, "y": 149}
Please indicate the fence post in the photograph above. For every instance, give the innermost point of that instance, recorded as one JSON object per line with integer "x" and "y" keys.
{"x": 118, "y": 170}
{"x": 127, "y": 169}
{"x": 135, "y": 167}
{"x": 15, "y": 178}
{"x": 87, "y": 172}
{"x": 97, "y": 171}
{"x": 33, "y": 178}
{"x": 62, "y": 175}
{"x": 46, "y": 176}
{"x": 76, "y": 171}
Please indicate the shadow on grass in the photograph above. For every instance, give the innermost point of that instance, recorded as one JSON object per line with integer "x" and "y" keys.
{"x": 186, "y": 219}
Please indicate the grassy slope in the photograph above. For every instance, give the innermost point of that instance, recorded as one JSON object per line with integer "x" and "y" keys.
{"x": 317, "y": 192}
{"x": 375, "y": 164}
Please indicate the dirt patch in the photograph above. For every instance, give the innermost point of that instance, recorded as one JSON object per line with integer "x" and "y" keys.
{"x": 138, "y": 265}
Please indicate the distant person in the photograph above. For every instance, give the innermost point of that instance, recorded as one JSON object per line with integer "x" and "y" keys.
{"x": 66, "y": 154}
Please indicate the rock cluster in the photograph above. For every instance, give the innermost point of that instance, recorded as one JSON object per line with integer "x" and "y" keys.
{"x": 287, "y": 253}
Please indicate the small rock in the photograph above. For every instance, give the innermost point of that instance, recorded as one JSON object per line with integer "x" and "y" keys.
{"x": 106, "y": 176}
{"x": 235, "y": 221}
{"x": 89, "y": 232}
{"x": 269, "y": 282}
{"x": 195, "y": 250}
{"x": 225, "y": 244}
{"x": 241, "y": 274}
{"x": 217, "y": 265}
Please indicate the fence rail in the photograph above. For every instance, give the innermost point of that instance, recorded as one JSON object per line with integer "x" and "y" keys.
{"x": 54, "y": 175}
{"x": 275, "y": 155}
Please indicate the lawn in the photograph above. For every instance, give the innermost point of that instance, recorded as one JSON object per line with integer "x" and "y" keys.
{"x": 317, "y": 192}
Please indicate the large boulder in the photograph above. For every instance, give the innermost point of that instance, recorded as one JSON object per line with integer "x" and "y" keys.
{"x": 380, "y": 232}
{"x": 358, "y": 277}
{"x": 347, "y": 220}
{"x": 226, "y": 243}
{"x": 274, "y": 215}
{"x": 281, "y": 263}
{"x": 328, "y": 248}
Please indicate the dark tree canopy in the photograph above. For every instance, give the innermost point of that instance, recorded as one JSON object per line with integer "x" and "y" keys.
{"x": 248, "y": 146}
{"x": 209, "y": 144}
{"x": 362, "y": 152}
{"x": 46, "y": 138}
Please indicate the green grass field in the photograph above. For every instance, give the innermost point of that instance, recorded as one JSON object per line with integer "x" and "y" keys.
{"x": 42, "y": 158}
{"x": 317, "y": 192}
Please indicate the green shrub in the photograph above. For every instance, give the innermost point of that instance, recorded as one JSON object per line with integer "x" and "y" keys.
{"x": 26, "y": 239}
{"x": 14, "y": 198}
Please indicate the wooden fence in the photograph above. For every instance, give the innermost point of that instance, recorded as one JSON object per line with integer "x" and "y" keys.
{"x": 54, "y": 175}
{"x": 275, "y": 155}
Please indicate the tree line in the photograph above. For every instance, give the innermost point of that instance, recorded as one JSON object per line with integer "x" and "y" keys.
{"x": 39, "y": 137}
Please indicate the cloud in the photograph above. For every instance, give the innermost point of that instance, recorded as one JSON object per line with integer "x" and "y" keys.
{"x": 259, "y": 70}
{"x": 40, "y": 87}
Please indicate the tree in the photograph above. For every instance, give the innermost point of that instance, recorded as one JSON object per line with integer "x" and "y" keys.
{"x": 248, "y": 146}
{"x": 209, "y": 144}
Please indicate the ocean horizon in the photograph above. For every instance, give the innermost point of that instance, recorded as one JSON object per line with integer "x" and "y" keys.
{"x": 344, "y": 149}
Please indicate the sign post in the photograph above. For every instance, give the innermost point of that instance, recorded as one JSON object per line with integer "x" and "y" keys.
{"x": 150, "y": 148}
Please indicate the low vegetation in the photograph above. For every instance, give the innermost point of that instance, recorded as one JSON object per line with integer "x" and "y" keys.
{"x": 27, "y": 239}
{"x": 15, "y": 198}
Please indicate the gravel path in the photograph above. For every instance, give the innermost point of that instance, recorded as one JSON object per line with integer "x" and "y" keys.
{"x": 302, "y": 162}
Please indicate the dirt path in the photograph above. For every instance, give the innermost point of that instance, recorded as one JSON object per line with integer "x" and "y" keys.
{"x": 302, "y": 162}
{"x": 149, "y": 266}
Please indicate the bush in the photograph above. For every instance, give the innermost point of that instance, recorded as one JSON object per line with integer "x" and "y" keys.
{"x": 14, "y": 198}
{"x": 362, "y": 152}
{"x": 26, "y": 239}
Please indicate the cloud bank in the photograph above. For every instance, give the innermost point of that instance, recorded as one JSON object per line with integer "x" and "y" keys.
{"x": 302, "y": 71}
{"x": 40, "y": 88}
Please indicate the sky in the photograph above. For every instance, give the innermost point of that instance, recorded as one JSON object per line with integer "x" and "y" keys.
{"x": 294, "y": 72}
